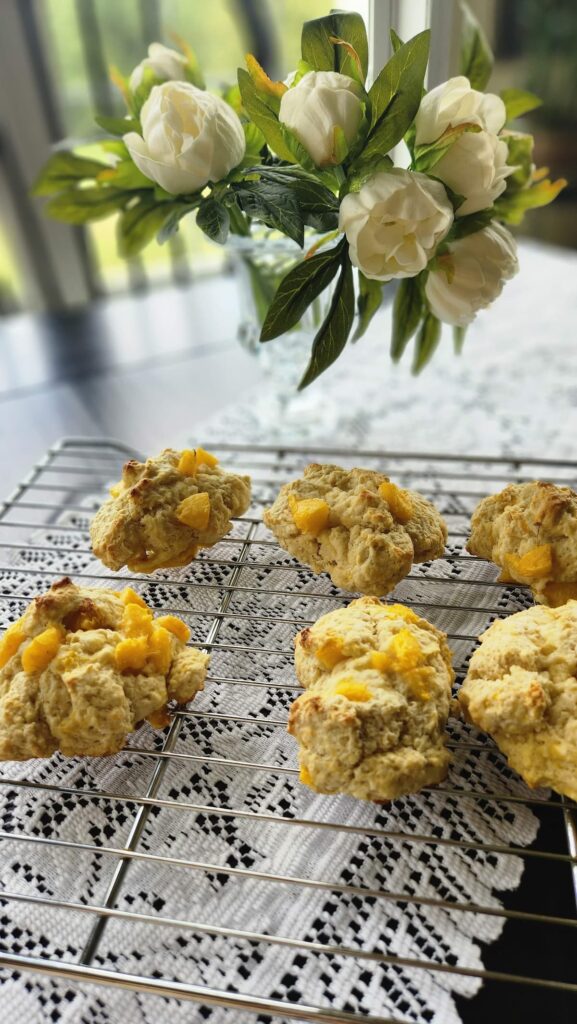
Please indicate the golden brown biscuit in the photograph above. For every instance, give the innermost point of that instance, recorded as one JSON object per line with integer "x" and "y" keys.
{"x": 521, "y": 688}
{"x": 530, "y": 531}
{"x": 84, "y": 666}
{"x": 165, "y": 509}
{"x": 378, "y": 688}
{"x": 356, "y": 525}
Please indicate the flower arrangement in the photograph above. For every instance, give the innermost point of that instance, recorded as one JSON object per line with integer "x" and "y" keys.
{"x": 316, "y": 152}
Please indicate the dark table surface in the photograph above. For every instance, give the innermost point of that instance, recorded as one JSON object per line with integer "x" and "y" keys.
{"x": 146, "y": 370}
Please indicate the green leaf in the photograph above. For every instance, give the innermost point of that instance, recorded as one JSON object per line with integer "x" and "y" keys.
{"x": 518, "y": 102}
{"x": 239, "y": 223}
{"x": 117, "y": 125}
{"x": 520, "y": 157}
{"x": 427, "y": 156}
{"x": 332, "y": 335}
{"x": 263, "y": 117}
{"x": 140, "y": 95}
{"x": 254, "y": 139}
{"x": 214, "y": 219}
{"x": 318, "y": 206}
{"x": 63, "y": 170}
{"x": 396, "y": 41}
{"x": 126, "y": 175}
{"x": 469, "y": 225}
{"x": 363, "y": 169}
{"x": 321, "y": 54}
{"x": 476, "y": 56}
{"x": 170, "y": 225}
{"x": 115, "y": 146}
{"x": 396, "y": 94}
{"x": 80, "y": 205}
{"x": 427, "y": 340}
{"x": 138, "y": 225}
{"x": 368, "y": 302}
{"x": 340, "y": 146}
{"x": 407, "y": 312}
{"x": 512, "y": 207}
{"x": 298, "y": 289}
{"x": 272, "y": 204}
{"x": 459, "y": 339}
{"x": 299, "y": 154}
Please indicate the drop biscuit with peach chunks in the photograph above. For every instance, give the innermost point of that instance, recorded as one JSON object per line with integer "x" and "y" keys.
{"x": 378, "y": 688}
{"x": 163, "y": 510}
{"x": 521, "y": 688}
{"x": 530, "y": 531}
{"x": 356, "y": 525}
{"x": 83, "y": 667}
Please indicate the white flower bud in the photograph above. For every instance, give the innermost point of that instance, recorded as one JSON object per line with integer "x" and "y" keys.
{"x": 166, "y": 63}
{"x": 320, "y": 102}
{"x": 453, "y": 103}
{"x": 475, "y": 167}
{"x": 189, "y": 137}
{"x": 394, "y": 223}
{"x": 471, "y": 274}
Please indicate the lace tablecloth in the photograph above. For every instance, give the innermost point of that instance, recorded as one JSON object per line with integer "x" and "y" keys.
{"x": 511, "y": 392}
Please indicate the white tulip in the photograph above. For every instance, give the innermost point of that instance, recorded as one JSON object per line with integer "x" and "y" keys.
{"x": 394, "y": 223}
{"x": 166, "y": 63}
{"x": 471, "y": 274}
{"x": 189, "y": 137}
{"x": 475, "y": 167}
{"x": 320, "y": 102}
{"x": 453, "y": 103}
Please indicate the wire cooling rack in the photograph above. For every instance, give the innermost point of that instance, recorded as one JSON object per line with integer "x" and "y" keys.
{"x": 139, "y": 847}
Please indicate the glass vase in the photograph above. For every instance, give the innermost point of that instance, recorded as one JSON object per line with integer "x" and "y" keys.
{"x": 261, "y": 261}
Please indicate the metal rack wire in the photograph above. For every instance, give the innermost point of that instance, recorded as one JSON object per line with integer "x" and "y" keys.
{"x": 44, "y": 518}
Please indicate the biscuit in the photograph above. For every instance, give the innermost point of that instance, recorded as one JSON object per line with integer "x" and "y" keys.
{"x": 357, "y": 526}
{"x": 163, "y": 510}
{"x": 378, "y": 688}
{"x": 530, "y": 531}
{"x": 521, "y": 688}
{"x": 83, "y": 667}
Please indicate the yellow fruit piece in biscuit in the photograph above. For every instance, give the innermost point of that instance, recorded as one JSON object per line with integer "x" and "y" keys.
{"x": 205, "y": 458}
{"x": 136, "y": 621}
{"x": 305, "y": 776}
{"x": 382, "y": 661}
{"x": 559, "y": 593}
{"x": 192, "y": 458}
{"x": 310, "y": 515}
{"x": 130, "y": 655}
{"x": 174, "y": 625}
{"x": 399, "y": 502}
{"x": 116, "y": 489}
{"x": 403, "y": 653}
{"x": 10, "y": 642}
{"x": 41, "y": 650}
{"x": 417, "y": 679}
{"x": 330, "y": 652}
{"x": 187, "y": 462}
{"x": 533, "y": 564}
{"x": 352, "y": 690}
{"x": 194, "y": 511}
{"x": 160, "y": 649}
{"x": 129, "y": 596}
{"x": 406, "y": 649}
{"x": 399, "y": 611}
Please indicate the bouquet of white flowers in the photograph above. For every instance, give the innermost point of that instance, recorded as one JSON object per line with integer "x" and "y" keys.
{"x": 316, "y": 151}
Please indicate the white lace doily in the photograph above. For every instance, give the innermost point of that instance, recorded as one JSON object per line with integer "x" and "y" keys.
{"x": 397, "y": 855}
